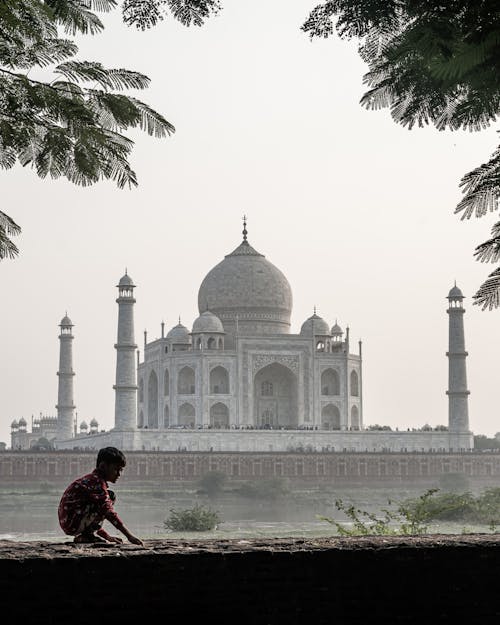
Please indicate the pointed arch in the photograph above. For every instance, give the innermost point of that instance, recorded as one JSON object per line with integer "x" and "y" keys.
{"x": 141, "y": 390}
{"x": 187, "y": 415}
{"x": 219, "y": 381}
{"x": 275, "y": 397}
{"x": 140, "y": 421}
{"x": 355, "y": 418}
{"x": 153, "y": 400}
{"x": 166, "y": 382}
{"x": 354, "y": 383}
{"x": 211, "y": 343}
{"x": 330, "y": 382}
{"x": 186, "y": 381}
{"x": 330, "y": 417}
{"x": 219, "y": 416}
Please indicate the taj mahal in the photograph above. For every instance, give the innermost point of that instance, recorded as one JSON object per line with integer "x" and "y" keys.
{"x": 239, "y": 380}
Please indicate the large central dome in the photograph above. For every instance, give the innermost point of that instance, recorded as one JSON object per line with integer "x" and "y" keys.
{"x": 248, "y": 293}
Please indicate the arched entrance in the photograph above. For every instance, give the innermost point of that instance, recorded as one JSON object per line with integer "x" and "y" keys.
{"x": 355, "y": 418}
{"x": 187, "y": 415}
{"x": 275, "y": 397}
{"x": 219, "y": 416}
{"x": 330, "y": 417}
{"x": 153, "y": 400}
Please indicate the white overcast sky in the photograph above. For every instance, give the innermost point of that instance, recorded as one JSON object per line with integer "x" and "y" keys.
{"x": 354, "y": 209}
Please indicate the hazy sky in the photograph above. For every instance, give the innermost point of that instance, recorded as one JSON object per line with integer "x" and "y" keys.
{"x": 355, "y": 210}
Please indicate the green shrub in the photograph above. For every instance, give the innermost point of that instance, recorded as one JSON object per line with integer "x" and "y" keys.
{"x": 408, "y": 518}
{"x": 412, "y": 516}
{"x": 444, "y": 507}
{"x": 197, "y": 519}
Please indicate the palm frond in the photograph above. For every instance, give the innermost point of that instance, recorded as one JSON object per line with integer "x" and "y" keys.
{"x": 193, "y": 12}
{"x": 9, "y": 225}
{"x": 488, "y": 295}
{"x": 489, "y": 251}
{"x": 481, "y": 189}
{"x": 8, "y": 228}
{"x": 152, "y": 122}
{"x": 86, "y": 71}
{"x": 7, "y": 248}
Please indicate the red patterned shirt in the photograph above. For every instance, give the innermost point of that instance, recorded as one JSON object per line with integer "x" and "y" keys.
{"x": 86, "y": 495}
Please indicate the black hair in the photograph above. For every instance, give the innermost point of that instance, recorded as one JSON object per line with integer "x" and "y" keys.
{"x": 111, "y": 455}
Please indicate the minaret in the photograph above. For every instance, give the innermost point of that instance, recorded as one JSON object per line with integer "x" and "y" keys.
{"x": 125, "y": 387}
{"x": 65, "y": 403}
{"x": 458, "y": 410}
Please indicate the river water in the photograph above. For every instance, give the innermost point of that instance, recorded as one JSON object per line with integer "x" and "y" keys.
{"x": 31, "y": 513}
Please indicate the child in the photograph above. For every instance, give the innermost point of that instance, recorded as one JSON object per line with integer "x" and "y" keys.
{"x": 87, "y": 502}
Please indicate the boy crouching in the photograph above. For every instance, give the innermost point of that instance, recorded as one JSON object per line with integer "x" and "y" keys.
{"x": 87, "y": 502}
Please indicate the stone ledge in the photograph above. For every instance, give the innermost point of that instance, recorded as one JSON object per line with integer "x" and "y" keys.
{"x": 14, "y": 550}
{"x": 403, "y": 580}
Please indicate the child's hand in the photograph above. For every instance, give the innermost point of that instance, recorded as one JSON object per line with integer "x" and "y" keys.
{"x": 115, "y": 539}
{"x": 135, "y": 541}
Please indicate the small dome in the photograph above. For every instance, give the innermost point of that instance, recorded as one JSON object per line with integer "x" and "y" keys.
{"x": 93, "y": 423}
{"x": 179, "y": 334}
{"x": 337, "y": 329}
{"x": 315, "y": 325}
{"x": 126, "y": 280}
{"x": 14, "y": 424}
{"x": 84, "y": 426}
{"x": 208, "y": 322}
{"x": 66, "y": 321}
{"x": 22, "y": 422}
{"x": 455, "y": 293}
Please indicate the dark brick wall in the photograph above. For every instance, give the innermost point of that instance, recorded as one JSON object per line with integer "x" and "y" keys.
{"x": 391, "y": 580}
{"x": 338, "y": 468}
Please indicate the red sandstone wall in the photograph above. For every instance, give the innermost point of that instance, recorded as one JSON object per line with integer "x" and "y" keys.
{"x": 328, "y": 467}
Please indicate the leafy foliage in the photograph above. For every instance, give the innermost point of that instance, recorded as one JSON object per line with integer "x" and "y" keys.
{"x": 432, "y": 63}
{"x": 70, "y": 125}
{"x": 483, "y": 508}
{"x": 407, "y": 518}
{"x": 197, "y": 519}
{"x": 147, "y": 13}
{"x": 412, "y": 516}
{"x": 8, "y": 229}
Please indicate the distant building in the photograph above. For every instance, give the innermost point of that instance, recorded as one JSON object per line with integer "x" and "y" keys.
{"x": 240, "y": 381}
{"x": 43, "y": 433}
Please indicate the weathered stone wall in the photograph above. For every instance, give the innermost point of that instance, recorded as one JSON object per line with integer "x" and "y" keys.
{"x": 333, "y": 468}
{"x": 434, "y": 579}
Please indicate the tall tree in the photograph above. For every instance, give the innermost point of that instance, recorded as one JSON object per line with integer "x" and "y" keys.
{"x": 72, "y": 124}
{"x": 432, "y": 63}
